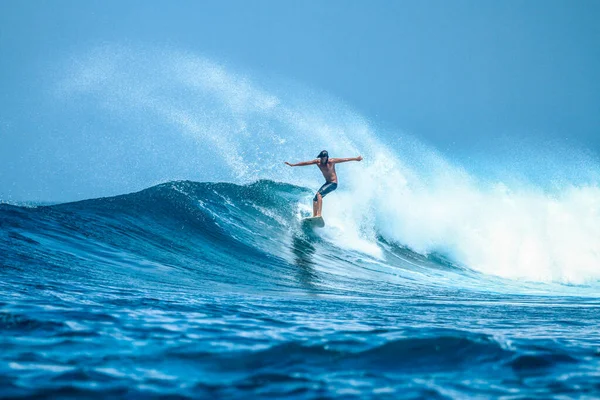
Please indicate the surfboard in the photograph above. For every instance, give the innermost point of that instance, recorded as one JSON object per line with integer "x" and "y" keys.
{"x": 314, "y": 222}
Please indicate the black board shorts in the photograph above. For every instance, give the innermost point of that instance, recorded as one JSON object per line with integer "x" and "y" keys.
{"x": 328, "y": 187}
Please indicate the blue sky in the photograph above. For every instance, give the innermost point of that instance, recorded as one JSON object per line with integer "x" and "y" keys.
{"x": 457, "y": 74}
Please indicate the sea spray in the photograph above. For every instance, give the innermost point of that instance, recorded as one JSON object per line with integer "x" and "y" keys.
{"x": 405, "y": 191}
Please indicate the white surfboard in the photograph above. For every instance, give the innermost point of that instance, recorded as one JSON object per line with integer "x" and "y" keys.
{"x": 314, "y": 222}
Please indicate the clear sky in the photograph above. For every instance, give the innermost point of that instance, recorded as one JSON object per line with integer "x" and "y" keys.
{"x": 454, "y": 73}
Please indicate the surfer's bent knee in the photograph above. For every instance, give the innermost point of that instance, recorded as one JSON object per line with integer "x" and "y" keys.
{"x": 316, "y": 198}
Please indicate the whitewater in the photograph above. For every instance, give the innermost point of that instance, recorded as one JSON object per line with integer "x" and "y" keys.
{"x": 431, "y": 279}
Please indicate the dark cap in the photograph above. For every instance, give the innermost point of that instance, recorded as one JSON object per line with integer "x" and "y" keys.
{"x": 323, "y": 153}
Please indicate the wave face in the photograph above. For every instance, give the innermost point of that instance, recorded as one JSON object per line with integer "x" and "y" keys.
{"x": 215, "y": 290}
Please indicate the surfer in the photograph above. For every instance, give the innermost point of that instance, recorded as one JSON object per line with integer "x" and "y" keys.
{"x": 327, "y": 167}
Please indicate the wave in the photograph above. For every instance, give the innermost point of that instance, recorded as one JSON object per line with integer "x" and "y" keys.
{"x": 248, "y": 235}
{"x": 530, "y": 213}
{"x": 217, "y": 235}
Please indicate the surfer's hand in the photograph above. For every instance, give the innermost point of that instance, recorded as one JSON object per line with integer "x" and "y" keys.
{"x": 287, "y": 163}
{"x": 359, "y": 158}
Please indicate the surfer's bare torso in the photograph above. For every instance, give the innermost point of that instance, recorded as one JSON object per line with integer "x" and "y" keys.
{"x": 328, "y": 171}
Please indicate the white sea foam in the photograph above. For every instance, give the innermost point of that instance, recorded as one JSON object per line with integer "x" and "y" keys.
{"x": 406, "y": 191}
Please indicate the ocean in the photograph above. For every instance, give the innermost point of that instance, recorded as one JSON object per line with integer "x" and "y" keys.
{"x": 469, "y": 272}
{"x": 215, "y": 290}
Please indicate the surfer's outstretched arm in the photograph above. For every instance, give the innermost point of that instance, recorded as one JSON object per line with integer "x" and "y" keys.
{"x": 341, "y": 160}
{"x": 303, "y": 163}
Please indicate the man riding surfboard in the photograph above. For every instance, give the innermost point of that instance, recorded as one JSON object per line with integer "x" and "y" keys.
{"x": 327, "y": 167}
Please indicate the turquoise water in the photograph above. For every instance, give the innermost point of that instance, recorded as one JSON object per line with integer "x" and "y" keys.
{"x": 212, "y": 290}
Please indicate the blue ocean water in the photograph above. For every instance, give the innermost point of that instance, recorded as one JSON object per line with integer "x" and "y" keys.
{"x": 215, "y": 290}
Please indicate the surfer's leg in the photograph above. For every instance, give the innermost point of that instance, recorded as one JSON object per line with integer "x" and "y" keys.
{"x": 317, "y": 205}
{"x": 328, "y": 187}
{"x": 318, "y": 201}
